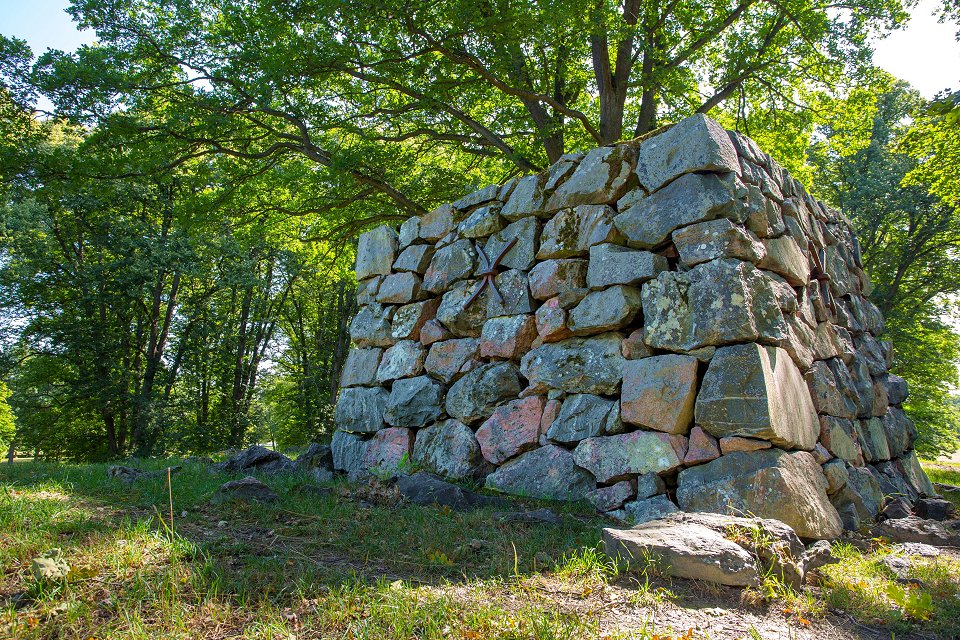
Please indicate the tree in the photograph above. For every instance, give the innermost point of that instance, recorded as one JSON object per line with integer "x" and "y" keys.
{"x": 7, "y": 427}
{"x": 462, "y": 92}
{"x": 910, "y": 240}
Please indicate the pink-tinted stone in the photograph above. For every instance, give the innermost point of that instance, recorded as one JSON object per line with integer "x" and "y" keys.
{"x": 432, "y": 331}
{"x": 730, "y": 444}
{"x": 450, "y": 359}
{"x": 551, "y": 321}
{"x": 550, "y": 412}
{"x": 410, "y": 319}
{"x": 609, "y": 498}
{"x": 507, "y": 336}
{"x": 634, "y": 348}
{"x": 659, "y": 392}
{"x": 388, "y": 449}
{"x": 512, "y": 428}
{"x": 550, "y": 277}
{"x": 820, "y": 454}
{"x": 703, "y": 447}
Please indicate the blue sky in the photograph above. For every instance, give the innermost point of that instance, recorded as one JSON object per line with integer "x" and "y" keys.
{"x": 926, "y": 54}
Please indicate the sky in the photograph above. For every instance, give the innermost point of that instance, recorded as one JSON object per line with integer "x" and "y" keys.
{"x": 926, "y": 53}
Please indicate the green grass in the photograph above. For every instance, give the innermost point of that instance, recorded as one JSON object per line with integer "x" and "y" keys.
{"x": 357, "y": 564}
{"x": 945, "y": 473}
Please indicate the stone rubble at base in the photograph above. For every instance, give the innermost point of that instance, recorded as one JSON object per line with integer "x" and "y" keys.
{"x": 663, "y": 316}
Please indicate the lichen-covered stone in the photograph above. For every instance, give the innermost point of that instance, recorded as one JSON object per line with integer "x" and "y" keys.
{"x": 388, "y": 450}
{"x": 432, "y": 331}
{"x": 611, "y": 264}
{"x": 527, "y": 198}
{"x": 409, "y": 231}
{"x": 450, "y": 449}
{"x": 507, "y": 337}
{"x": 605, "y": 310}
{"x": 474, "y": 396}
{"x": 414, "y": 402}
{"x": 572, "y": 232}
{"x": 523, "y": 254}
{"x": 402, "y": 360}
{"x": 482, "y": 222}
{"x": 713, "y": 304}
{"x": 409, "y": 319}
{"x": 648, "y": 509}
{"x": 585, "y": 415}
{"x": 828, "y": 398}
{"x": 757, "y": 392}
{"x": 659, "y": 392}
{"x": 577, "y": 365}
{"x": 511, "y": 429}
{"x": 550, "y": 277}
{"x": 611, "y": 458}
{"x": 515, "y": 295}
{"x": 360, "y": 409}
{"x": 415, "y": 258}
{"x": 371, "y": 326}
{"x": 463, "y": 321}
{"x": 600, "y": 177}
{"x": 551, "y": 321}
{"x": 450, "y": 359}
{"x": 376, "y": 251}
{"x": 715, "y": 239}
{"x": 840, "y": 438}
{"x": 770, "y": 484}
{"x": 606, "y": 499}
{"x": 696, "y": 143}
{"x": 399, "y": 288}
{"x": 548, "y": 473}
{"x": 360, "y": 368}
{"x": 647, "y": 222}
{"x": 437, "y": 224}
{"x": 450, "y": 264}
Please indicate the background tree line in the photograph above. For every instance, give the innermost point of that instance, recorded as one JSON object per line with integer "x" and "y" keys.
{"x": 178, "y": 201}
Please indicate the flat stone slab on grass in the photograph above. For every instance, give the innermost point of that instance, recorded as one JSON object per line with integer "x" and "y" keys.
{"x": 247, "y": 489}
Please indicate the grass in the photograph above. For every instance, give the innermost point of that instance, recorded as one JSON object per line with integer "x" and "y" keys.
{"x": 356, "y": 564}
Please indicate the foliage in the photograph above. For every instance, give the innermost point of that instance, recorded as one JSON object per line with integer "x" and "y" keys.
{"x": 910, "y": 239}
{"x": 7, "y": 427}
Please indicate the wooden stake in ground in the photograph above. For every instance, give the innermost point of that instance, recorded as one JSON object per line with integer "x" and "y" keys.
{"x": 170, "y": 494}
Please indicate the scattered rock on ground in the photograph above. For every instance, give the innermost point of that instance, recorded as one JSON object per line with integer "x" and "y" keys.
{"x": 539, "y": 516}
{"x": 50, "y": 565}
{"x": 257, "y": 459}
{"x": 130, "y": 475}
{"x": 914, "y": 529}
{"x": 427, "y": 489}
{"x": 247, "y": 489}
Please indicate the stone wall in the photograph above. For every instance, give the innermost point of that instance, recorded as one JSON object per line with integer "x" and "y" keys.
{"x": 673, "y": 324}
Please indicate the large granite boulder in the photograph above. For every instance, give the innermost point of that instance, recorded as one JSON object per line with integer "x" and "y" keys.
{"x": 450, "y": 449}
{"x": 376, "y": 252}
{"x": 361, "y": 409}
{"x": 474, "y": 396}
{"x": 577, "y": 365}
{"x": 548, "y": 473}
{"x": 414, "y": 402}
{"x": 612, "y": 458}
{"x": 770, "y": 484}
{"x": 659, "y": 392}
{"x": 757, "y": 392}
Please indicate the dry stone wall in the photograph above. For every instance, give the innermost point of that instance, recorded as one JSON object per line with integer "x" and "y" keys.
{"x": 670, "y": 324}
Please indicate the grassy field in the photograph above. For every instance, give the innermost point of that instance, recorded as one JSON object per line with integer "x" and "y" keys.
{"x": 356, "y": 564}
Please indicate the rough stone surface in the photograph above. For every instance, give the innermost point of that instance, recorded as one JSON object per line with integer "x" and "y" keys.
{"x": 399, "y": 288}
{"x": 409, "y": 319}
{"x": 371, "y": 326}
{"x": 612, "y": 264}
{"x": 605, "y": 310}
{"x": 348, "y": 450}
{"x": 450, "y": 359}
{"x": 388, "y": 450}
{"x": 449, "y": 264}
{"x": 551, "y": 319}
{"x": 732, "y": 444}
{"x": 606, "y": 499}
{"x": 507, "y": 337}
{"x": 415, "y": 258}
{"x": 427, "y": 489}
{"x": 703, "y": 447}
{"x": 659, "y": 392}
{"x": 770, "y": 483}
{"x": 512, "y": 429}
{"x": 601, "y": 176}
{"x": 757, "y": 392}
{"x": 572, "y": 232}
{"x": 715, "y": 239}
{"x": 548, "y": 473}
{"x": 584, "y": 415}
{"x": 450, "y": 449}
{"x": 647, "y": 222}
{"x": 551, "y": 277}
{"x": 402, "y": 360}
{"x": 611, "y": 458}
{"x": 247, "y": 489}
{"x": 462, "y": 320}
{"x": 696, "y": 143}
{"x": 256, "y": 458}
{"x": 474, "y": 396}
{"x": 523, "y": 254}
{"x": 414, "y": 402}
{"x": 376, "y": 252}
{"x": 713, "y": 304}
{"x": 360, "y": 368}
{"x": 785, "y": 257}
{"x": 360, "y": 409}
{"x": 577, "y": 365}
{"x": 647, "y": 509}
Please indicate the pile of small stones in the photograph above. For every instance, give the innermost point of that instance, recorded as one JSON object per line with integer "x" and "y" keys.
{"x": 666, "y": 324}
